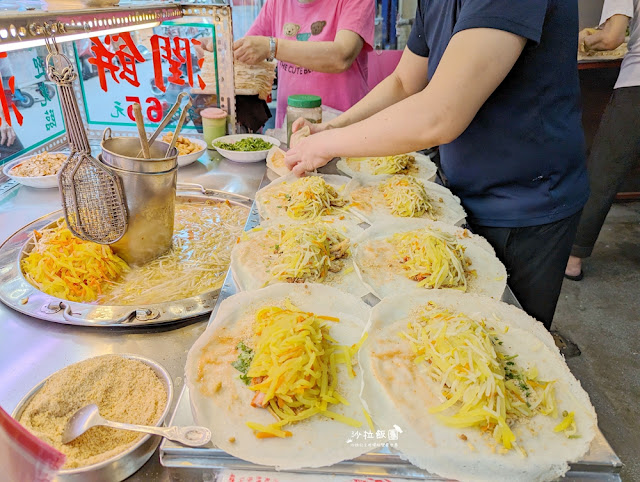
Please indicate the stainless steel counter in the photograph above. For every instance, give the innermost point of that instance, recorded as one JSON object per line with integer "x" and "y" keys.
{"x": 32, "y": 349}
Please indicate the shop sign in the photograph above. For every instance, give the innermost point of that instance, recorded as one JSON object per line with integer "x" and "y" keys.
{"x": 150, "y": 67}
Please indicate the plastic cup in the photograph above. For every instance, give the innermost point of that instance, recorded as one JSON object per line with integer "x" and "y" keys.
{"x": 214, "y": 124}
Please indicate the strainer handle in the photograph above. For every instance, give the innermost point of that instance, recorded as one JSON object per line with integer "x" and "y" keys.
{"x": 106, "y": 135}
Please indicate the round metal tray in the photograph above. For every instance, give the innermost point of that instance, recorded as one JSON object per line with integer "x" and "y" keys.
{"x": 122, "y": 465}
{"x": 17, "y": 293}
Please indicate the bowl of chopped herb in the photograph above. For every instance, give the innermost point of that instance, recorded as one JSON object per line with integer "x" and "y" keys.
{"x": 245, "y": 147}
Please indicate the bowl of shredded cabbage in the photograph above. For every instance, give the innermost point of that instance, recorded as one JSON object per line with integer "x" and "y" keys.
{"x": 245, "y": 147}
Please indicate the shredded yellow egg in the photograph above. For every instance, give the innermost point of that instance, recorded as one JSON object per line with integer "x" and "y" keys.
{"x": 478, "y": 384}
{"x": 389, "y": 164}
{"x": 310, "y": 197}
{"x": 67, "y": 267}
{"x": 308, "y": 252}
{"x": 433, "y": 258}
{"x": 568, "y": 425}
{"x": 407, "y": 197}
{"x": 393, "y": 164}
{"x": 294, "y": 370}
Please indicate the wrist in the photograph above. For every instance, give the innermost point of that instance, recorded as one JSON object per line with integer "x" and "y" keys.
{"x": 272, "y": 46}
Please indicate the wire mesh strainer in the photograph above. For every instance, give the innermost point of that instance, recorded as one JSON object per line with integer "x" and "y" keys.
{"x": 92, "y": 195}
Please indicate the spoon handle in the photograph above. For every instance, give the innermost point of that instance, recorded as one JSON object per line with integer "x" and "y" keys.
{"x": 191, "y": 436}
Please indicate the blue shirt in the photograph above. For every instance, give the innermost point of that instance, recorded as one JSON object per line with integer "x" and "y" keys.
{"x": 521, "y": 161}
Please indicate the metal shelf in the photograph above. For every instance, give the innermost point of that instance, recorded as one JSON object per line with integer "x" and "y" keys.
{"x": 29, "y": 24}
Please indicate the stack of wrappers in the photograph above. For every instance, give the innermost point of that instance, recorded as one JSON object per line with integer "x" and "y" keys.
{"x": 249, "y": 79}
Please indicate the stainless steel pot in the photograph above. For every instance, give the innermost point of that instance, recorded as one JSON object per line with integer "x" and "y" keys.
{"x": 150, "y": 199}
{"x": 126, "y": 463}
{"x": 121, "y": 152}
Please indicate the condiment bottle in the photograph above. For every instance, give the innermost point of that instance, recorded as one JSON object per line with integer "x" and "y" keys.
{"x": 307, "y": 106}
{"x": 214, "y": 124}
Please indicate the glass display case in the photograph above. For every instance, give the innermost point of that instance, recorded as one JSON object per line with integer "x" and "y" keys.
{"x": 133, "y": 52}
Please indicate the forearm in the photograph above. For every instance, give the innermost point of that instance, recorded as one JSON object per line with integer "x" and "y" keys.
{"x": 405, "y": 126}
{"x": 611, "y": 36}
{"x": 325, "y": 57}
{"x": 383, "y": 95}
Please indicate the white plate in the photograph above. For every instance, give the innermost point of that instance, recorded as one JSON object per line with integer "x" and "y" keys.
{"x": 187, "y": 159}
{"x": 242, "y": 156}
{"x": 40, "y": 182}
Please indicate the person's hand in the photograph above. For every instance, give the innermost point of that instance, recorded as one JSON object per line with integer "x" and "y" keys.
{"x": 301, "y": 122}
{"x": 309, "y": 154}
{"x": 582, "y": 37}
{"x": 206, "y": 45}
{"x": 7, "y": 135}
{"x": 251, "y": 50}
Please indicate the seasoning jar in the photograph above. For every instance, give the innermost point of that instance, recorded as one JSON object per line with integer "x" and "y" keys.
{"x": 307, "y": 106}
{"x": 214, "y": 124}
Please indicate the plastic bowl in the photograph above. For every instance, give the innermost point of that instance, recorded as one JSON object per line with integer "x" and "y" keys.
{"x": 244, "y": 156}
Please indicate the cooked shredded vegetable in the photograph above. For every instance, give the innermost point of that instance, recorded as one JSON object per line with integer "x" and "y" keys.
{"x": 406, "y": 197}
{"x": 308, "y": 252}
{"x": 295, "y": 368}
{"x": 478, "y": 384}
{"x": 388, "y": 165}
{"x": 203, "y": 238}
{"x": 433, "y": 258}
{"x": 310, "y": 197}
{"x": 67, "y": 267}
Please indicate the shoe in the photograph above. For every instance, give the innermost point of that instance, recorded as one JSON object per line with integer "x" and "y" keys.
{"x": 568, "y": 348}
{"x": 577, "y": 277}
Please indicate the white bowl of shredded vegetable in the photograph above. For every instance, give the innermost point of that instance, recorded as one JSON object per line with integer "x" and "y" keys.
{"x": 39, "y": 171}
{"x": 245, "y": 147}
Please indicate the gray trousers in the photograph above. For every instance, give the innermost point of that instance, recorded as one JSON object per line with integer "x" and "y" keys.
{"x": 615, "y": 152}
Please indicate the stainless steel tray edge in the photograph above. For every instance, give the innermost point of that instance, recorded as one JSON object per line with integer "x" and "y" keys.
{"x": 20, "y": 295}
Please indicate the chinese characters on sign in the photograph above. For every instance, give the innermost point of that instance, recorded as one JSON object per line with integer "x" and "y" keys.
{"x": 126, "y": 53}
{"x": 51, "y": 120}
{"x": 177, "y": 55}
{"x": 117, "y": 58}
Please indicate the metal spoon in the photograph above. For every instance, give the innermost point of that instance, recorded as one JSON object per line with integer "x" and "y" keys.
{"x": 89, "y": 416}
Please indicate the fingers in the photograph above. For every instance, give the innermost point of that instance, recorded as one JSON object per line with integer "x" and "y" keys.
{"x": 237, "y": 44}
{"x": 3, "y": 136}
{"x": 300, "y": 170}
{"x": 291, "y": 158}
{"x": 11, "y": 137}
{"x": 299, "y": 123}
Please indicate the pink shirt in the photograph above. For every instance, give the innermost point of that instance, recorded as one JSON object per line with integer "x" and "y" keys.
{"x": 318, "y": 21}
